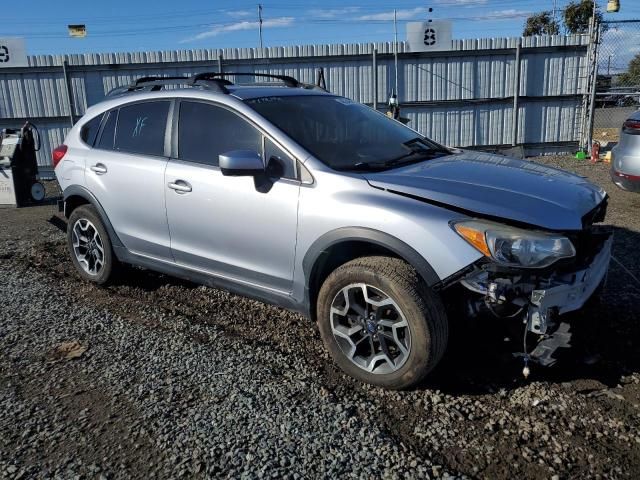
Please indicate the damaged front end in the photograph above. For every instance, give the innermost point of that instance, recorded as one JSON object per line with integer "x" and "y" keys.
{"x": 533, "y": 277}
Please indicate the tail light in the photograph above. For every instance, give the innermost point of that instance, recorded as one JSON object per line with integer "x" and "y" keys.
{"x": 626, "y": 176}
{"x": 631, "y": 126}
{"x": 57, "y": 154}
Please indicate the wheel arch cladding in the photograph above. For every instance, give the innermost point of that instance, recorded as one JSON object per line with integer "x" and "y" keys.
{"x": 76, "y": 196}
{"x": 72, "y": 202}
{"x": 339, "y": 246}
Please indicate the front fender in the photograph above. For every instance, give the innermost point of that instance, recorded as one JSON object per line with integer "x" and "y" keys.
{"x": 375, "y": 237}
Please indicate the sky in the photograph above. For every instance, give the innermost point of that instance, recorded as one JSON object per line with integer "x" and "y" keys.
{"x": 135, "y": 25}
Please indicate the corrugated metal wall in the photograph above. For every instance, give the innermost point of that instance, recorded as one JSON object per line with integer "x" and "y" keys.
{"x": 463, "y": 97}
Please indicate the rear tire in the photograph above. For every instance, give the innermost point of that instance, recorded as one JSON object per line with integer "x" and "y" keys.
{"x": 90, "y": 247}
{"x": 381, "y": 323}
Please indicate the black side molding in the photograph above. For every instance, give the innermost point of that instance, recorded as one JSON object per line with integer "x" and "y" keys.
{"x": 201, "y": 278}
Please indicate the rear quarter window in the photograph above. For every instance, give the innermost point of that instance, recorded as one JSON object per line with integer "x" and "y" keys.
{"x": 89, "y": 130}
{"x": 106, "y": 136}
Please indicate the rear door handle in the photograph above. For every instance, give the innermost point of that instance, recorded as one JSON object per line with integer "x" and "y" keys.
{"x": 99, "y": 168}
{"x": 180, "y": 186}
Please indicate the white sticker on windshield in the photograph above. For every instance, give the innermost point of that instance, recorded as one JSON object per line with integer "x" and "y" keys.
{"x": 265, "y": 100}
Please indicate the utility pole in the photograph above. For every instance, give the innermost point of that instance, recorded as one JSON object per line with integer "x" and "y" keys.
{"x": 260, "y": 23}
{"x": 592, "y": 22}
{"x": 594, "y": 37}
{"x": 395, "y": 46}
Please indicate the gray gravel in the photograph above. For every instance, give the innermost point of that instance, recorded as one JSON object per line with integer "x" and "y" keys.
{"x": 149, "y": 398}
{"x": 181, "y": 380}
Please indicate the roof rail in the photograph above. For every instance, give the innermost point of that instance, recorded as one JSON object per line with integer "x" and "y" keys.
{"x": 153, "y": 84}
{"x": 286, "y": 79}
{"x": 208, "y": 80}
{"x": 154, "y": 79}
{"x": 313, "y": 86}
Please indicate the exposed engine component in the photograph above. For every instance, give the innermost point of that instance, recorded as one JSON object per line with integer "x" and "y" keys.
{"x": 537, "y": 298}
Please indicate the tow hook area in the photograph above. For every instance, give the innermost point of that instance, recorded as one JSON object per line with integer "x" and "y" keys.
{"x": 537, "y": 301}
{"x": 538, "y": 315}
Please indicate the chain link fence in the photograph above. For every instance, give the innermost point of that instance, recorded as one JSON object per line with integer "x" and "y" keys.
{"x": 618, "y": 81}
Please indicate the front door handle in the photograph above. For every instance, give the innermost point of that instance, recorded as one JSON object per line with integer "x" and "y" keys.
{"x": 99, "y": 168}
{"x": 180, "y": 186}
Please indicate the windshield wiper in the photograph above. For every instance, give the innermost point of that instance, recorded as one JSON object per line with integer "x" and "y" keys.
{"x": 424, "y": 145}
{"x": 420, "y": 149}
{"x": 376, "y": 166}
{"x": 407, "y": 158}
{"x": 413, "y": 157}
{"x": 365, "y": 166}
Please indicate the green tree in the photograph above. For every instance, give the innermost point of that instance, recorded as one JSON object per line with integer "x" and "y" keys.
{"x": 631, "y": 78}
{"x": 577, "y": 15}
{"x": 540, "y": 24}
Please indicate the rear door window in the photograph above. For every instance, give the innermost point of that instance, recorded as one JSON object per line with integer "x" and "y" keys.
{"x": 141, "y": 128}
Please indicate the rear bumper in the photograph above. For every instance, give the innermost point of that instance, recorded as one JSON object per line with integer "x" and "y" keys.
{"x": 568, "y": 293}
{"x": 626, "y": 181}
{"x": 625, "y": 165}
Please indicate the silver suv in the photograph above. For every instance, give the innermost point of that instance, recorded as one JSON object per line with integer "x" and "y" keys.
{"x": 292, "y": 195}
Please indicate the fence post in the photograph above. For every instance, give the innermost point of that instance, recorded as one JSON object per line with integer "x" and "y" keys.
{"x": 321, "y": 82}
{"x": 516, "y": 95}
{"x": 590, "y": 84}
{"x": 374, "y": 78}
{"x": 594, "y": 86}
{"x": 67, "y": 84}
{"x": 220, "y": 63}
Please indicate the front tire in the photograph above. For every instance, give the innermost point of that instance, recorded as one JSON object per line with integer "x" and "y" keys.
{"x": 90, "y": 247}
{"x": 381, "y": 323}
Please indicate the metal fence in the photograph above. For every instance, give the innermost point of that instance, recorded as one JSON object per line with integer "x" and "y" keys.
{"x": 464, "y": 97}
{"x": 618, "y": 81}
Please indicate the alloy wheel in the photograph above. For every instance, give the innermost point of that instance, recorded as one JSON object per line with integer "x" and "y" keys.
{"x": 87, "y": 246}
{"x": 370, "y": 328}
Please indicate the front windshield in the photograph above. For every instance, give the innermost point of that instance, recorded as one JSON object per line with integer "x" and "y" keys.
{"x": 344, "y": 134}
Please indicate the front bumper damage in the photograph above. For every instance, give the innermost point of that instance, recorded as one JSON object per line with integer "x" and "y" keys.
{"x": 569, "y": 292}
{"x": 538, "y": 299}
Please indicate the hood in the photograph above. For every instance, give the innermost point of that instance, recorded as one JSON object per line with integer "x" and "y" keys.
{"x": 497, "y": 186}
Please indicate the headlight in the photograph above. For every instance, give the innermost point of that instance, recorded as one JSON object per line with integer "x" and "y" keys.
{"x": 515, "y": 247}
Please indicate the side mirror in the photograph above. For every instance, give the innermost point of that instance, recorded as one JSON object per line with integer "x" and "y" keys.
{"x": 241, "y": 163}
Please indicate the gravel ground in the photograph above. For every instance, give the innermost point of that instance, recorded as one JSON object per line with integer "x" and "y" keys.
{"x": 171, "y": 379}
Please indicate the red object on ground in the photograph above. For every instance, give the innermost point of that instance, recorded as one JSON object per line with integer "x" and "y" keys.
{"x": 595, "y": 152}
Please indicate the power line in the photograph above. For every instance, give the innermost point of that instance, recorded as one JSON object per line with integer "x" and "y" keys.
{"x": 171, "y": 15}
{"x": 306, "y": 19}
{"x": 299, "y": 21}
